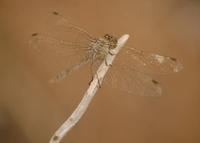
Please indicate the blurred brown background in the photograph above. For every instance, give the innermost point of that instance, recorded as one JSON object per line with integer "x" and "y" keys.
{"x": 31, "y": 109}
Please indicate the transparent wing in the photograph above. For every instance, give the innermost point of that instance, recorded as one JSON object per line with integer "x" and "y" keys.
{"x": 60, "y": 35}
{"x": 62, "y": 29}
{"x": 132, "y": 82}
{"x": 66, "y": 72}
{"x": 61, "y": 42}
{"x": 145, "y": 62}
{"x": 130, "y": 69}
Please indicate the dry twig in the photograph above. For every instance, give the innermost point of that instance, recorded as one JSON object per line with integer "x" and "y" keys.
{"x": 89, "y": 94}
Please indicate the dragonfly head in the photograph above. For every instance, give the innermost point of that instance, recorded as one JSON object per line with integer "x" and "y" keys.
{"x": 112, "y": 40}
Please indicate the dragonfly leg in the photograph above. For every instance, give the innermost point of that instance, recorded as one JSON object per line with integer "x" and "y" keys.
{"x": 111, "y": 53}
{"x": 97, "y": 79}
{"x": 107, "y": 64}
{"x": 91, "y": 80}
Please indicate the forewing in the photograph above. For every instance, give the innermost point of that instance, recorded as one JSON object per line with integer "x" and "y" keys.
{"x": 61, "y": 42}
{"x": 60, "y": 35}
{"x": 145, "y": 62}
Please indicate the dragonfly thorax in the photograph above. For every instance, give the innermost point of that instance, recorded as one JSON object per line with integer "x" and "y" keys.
{"x": 101, "y": 47}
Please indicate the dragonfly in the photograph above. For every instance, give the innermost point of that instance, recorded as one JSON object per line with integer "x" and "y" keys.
{"x": 131, "y": 70}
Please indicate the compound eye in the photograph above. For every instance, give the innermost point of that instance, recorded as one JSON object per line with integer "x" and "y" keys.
{"x": 106, "y": 36}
